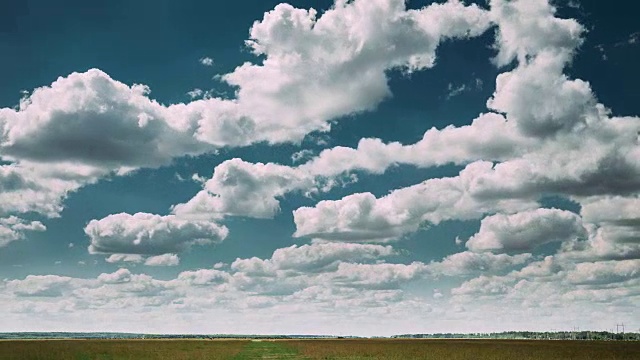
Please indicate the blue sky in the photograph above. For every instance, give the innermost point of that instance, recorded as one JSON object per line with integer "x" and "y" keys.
{"x": 224, "y": 195}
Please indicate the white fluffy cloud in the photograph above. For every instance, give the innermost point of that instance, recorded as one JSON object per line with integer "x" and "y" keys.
{"x": 364, "y": 217}
{"x": 101, "y": 125}
{"x": 244, "y": 189}
{"x": 550, "y": 122}
{"x": 13, "y": 229}
{"x": 163, "y": 260}
{"x": 350, "y": 46}
{"x": 125, "y": 258}
{"x": 150, "y": 234}
{"x": 546, "y": 134}
{"x": 470, "y": 263}
{"x": 313, "y": 258}
{"x": 527, "y": 230}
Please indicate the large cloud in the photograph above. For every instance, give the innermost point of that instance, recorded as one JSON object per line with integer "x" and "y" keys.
{"x": 313, "y": 258}
{"x": 90, "y": 125}
{"x": 557, "y": 119}
{"x": 335, "y": 64}
{"x": 364, "y": 217}
{"x": 92, "y": 119}
{"x": 527, "y": 230}
{"x": 470, "y": 263}
{"x": 150, "y": 234}
{"x": 244, "y": 189}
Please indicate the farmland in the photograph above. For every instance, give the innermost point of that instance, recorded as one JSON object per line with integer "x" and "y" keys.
{"x": 351, "y": 349}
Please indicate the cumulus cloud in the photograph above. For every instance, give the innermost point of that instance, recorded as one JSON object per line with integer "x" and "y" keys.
{"x": 313, "y": 258}
{"x": 91, "y": 119}
{"x": 40, "y": 285}
{"x": 365, "y": 217}
{"x": 130, "y": 258}
{"x": 531, "y": 27}
{"x": 118, "y": 277}
{"x": 150, "y": 234}
{"x": 244, "y": 189}
{"x": 545, "y": 134}
{"x": 206, "y": 61}
{"x": 540, "y": 146}
{"x": 471, "y": 263}
{"x": 604, "y": 272}
{"x": 163, "y": 260}
{"x": 354, "y": 43}
{"x": 13, "y": 229}
{"x": 526, "y": 230}
{"x": 87, "y": 125}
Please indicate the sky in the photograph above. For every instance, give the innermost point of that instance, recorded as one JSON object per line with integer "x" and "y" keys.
{"x": 362, "y": 167}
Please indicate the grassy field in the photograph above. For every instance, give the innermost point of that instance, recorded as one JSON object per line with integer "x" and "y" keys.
{"x": 318, "y": 349}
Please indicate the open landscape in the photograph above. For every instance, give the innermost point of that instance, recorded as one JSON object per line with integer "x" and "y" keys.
{"x": 352, "y": 349}
{"x": 320, "y": 179}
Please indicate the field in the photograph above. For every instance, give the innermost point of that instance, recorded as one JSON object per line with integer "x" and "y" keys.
{"x": 317, "y": 349}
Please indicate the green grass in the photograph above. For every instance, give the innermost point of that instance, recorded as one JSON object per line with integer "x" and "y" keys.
{"x": 268, "y": 350}
{"x": 390, "y": 349}
{"x": 120, "y": 349}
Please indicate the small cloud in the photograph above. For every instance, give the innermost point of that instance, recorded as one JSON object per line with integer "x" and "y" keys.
{"x": 479, "y": 84}
{"x": 199, "y": 179}
{"x": 603, "y": 54}
{"x": 82, "y": 263}
{"x": 206, "y": 61}
{"x": 219, "y": 265}
{"x": 453, "y": 90}
{"x": 163, "y": 260}
{"x": 115, "y": 258}
{"x": 71, "y": 245}
{"x": 301, "y": 155}
{"x": 58, "y": 262}
{"x": 634, "y": 38}
{"x": 195, "y": 93}
{"x": 574, "y": 4}
{"x": 437, "y": 294}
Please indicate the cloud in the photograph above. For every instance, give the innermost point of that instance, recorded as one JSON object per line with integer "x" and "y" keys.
{"x": 317, "y": 257}
{"x": 526, "y": 230}
{"x": 206, "y": 61}
{"x": 471, "y": 263}
{"x": 377, "y": 276}
{"x": 364, "y": 217}
{"x": 127, "y": 258}
{"x": 13, "y": 229}
{"x": 147, "y": 234}
{"x": 42, "y": 285}
{"x": 239, "y": 188}
{"x": 163, "y": 260}
{"x": 244, "y": 189}
{"x": 204, "y": 277}
{"x": 529, "y": 27}
{"x": 353, "y": 44}
{"x": 118, "y": 277}
{"x": 87, "y": 125}
{"x": 90, "y": 119}
{"x": 605, "y": 272}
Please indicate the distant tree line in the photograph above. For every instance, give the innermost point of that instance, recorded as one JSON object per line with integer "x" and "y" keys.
{"x": 530, "y": 335}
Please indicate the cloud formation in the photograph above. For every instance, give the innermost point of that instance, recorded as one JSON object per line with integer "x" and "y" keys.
{"x": 147, "y": 234}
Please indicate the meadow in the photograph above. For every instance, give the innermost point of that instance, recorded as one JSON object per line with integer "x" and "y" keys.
{"x": 351, "y": 349}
